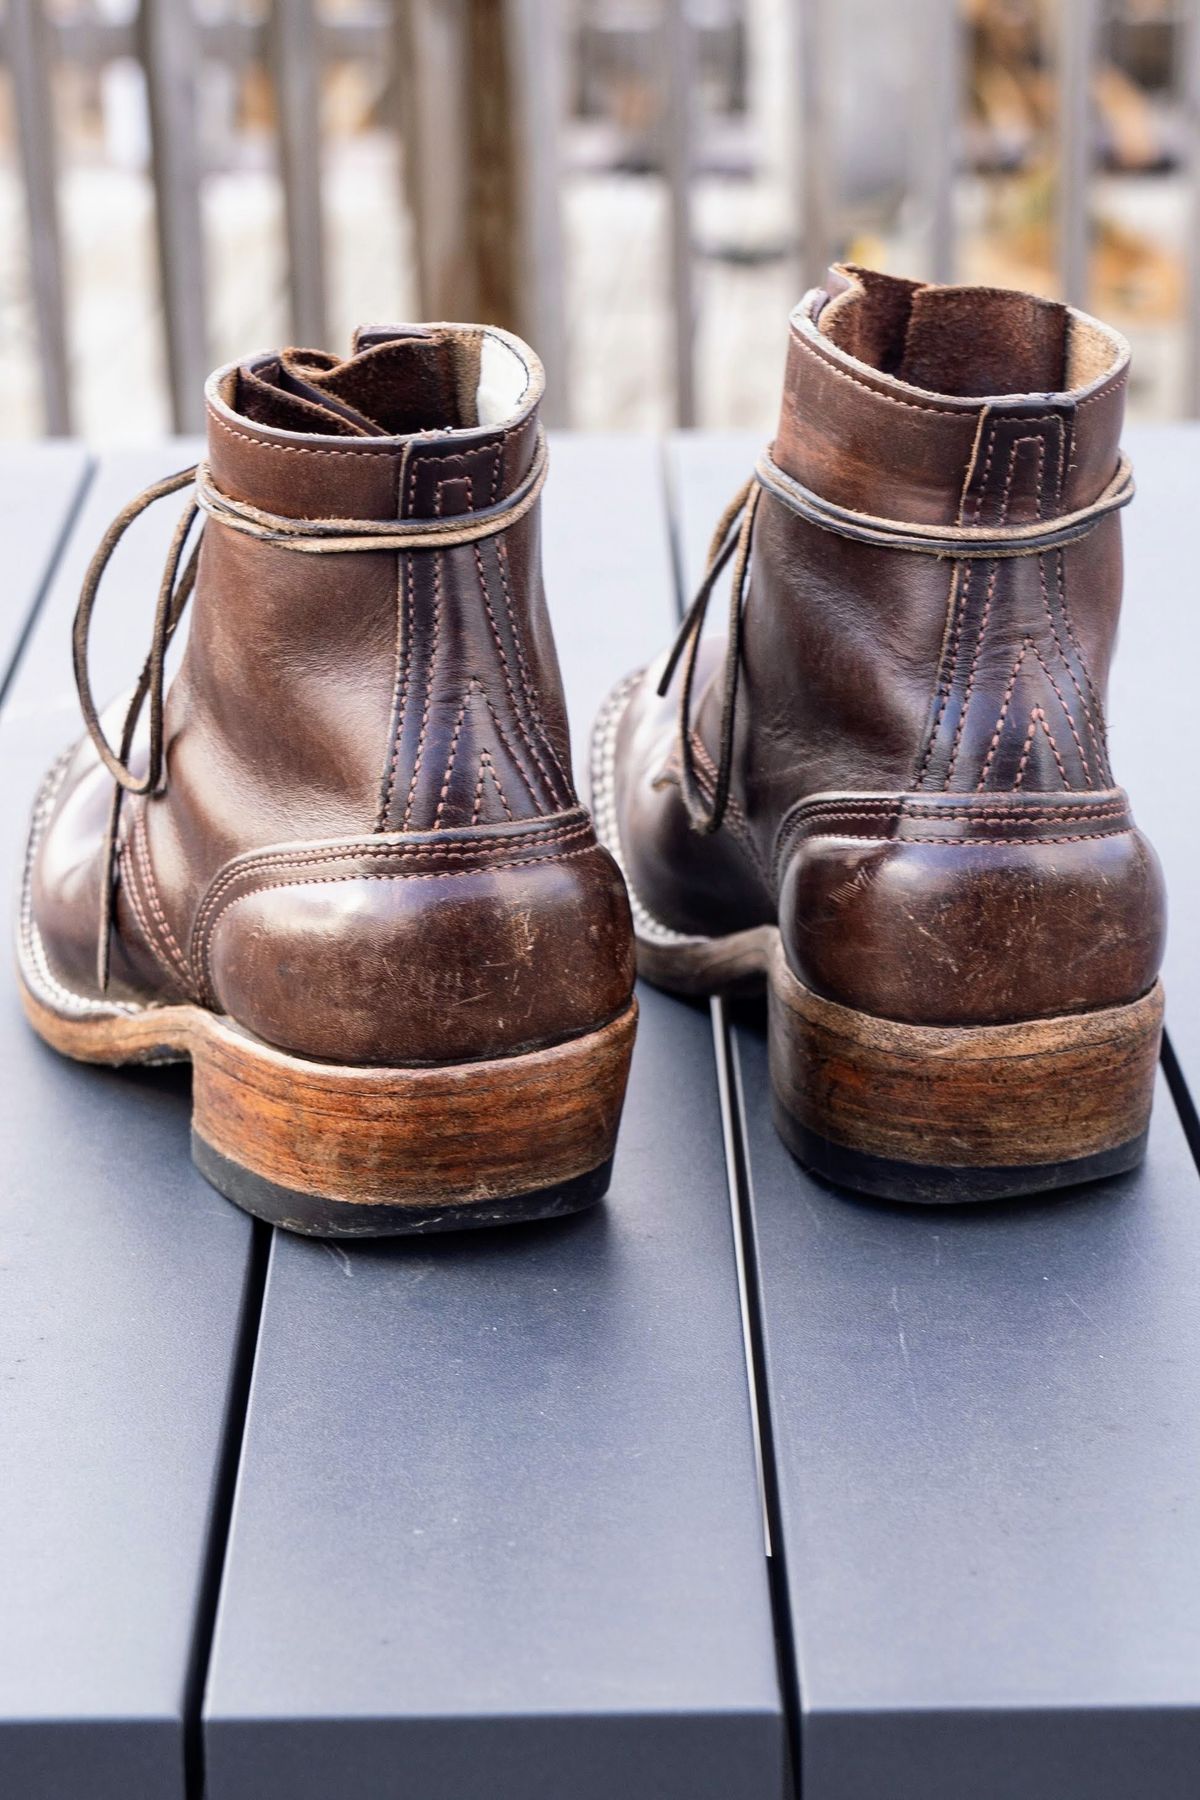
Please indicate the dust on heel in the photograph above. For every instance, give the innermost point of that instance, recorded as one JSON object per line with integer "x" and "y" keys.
{"x": 934, "y": 1114}
{"x": 333, "y": 1150}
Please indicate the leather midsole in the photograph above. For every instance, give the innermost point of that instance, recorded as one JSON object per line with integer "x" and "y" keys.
{"x": 457, "y": 1132}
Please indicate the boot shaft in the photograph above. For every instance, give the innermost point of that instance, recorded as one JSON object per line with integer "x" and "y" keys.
{"x": 902, "y": 672}
{"x": 409, "y": 690}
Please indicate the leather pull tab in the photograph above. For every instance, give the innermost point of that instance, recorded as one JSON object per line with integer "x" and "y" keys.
{"x": 369, "y": 337}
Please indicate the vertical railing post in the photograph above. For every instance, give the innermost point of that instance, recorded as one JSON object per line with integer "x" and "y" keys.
{"x": 536, "y": 57}
{"x": 679, "y": 58}
{"x": 1190, "y": 86}
{"x": 814, "y": 80}
{"x": 27, "y": 45}
{"x": 480, "y": 130}
{"x": 170, "y": 56}
{"x": 295, "y": 66}
{"x": 433, "y": 40}
{"x": 1078, "y": 43}
{"x": 937, "y": 85}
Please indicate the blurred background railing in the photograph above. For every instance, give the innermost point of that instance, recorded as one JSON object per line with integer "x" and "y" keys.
{"x": 642, "y": 187}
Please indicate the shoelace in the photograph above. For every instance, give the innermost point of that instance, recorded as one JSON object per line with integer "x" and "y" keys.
{"x": 319, "y": 536}
{"x": 733, "y": 539}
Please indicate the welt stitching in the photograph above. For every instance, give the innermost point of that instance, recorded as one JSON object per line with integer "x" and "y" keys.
{"x": 429, "y": 675}
{"x": 1017, "y": 815}
{"x": 1087, "y": 674}
{"x": 130, "y": 890}
{"x": 825, "y": 819}
{"x": 1103, "y": 393}
{"x": 400, "y": 683}
{"x": 446, "y": 481}
{"x": 944, "y": 412}
{"x": 487, "y": 767}
{"x": 526, "y": 735}
{"x": 1035, "y": 716}
{"x": 427, "y": 460}
{"x": 294, "y": 449}
{"x": 993, "y": 437}
{"x": 1012, "y": 469}
{"x": 512, "y": 750}
{"x": 527, "y": 686}
{"x": 301, "y": 858}
{"x": 1025, "y": 816}
{"x": 991, "y": 586}
{"x": 477, "y": 807}
{"x": 471, "y": 687}
{"x": 1004, "y": 705}
{"x": 1053, "y": 745}
{"x": 1087, "y": 774}
{"x": 1073, "y": 837}
{"x": 470, "y": 851}
{"x": 380, "y": 875}
{"x": 739, "y": 824}
{"x": 971, "y": 674}
{"x": 141, "y": 851}
{"x": 947, "y": 680}
{"x": 992, "y": 808}
{"x": 496, "y": 783}
{"x": 733, "y": 805}
{"x": 1095, "y": 737}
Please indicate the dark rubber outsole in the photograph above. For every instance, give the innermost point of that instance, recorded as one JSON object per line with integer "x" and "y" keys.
{"x": 313, "y": 1216}
{"x": 918, "y": 1185}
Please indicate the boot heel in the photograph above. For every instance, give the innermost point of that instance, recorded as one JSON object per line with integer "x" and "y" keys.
{"x": 940, "y": 1114}
{"x": 359, "y": 1151}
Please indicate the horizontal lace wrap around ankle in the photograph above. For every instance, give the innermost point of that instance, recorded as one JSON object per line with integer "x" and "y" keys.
{"x": 732, "y": 539}
{"x": 336, "y": 536}
{"x": 313, "y": 536}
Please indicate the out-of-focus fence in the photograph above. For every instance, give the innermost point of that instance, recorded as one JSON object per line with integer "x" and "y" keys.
{"x": 492, "y": 101}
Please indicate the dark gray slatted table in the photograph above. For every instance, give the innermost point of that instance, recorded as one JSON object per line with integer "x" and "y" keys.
{"x": 497, "y": 1527}
{"x": 125, "y": 1288}
{"x": 985, "y": 1437}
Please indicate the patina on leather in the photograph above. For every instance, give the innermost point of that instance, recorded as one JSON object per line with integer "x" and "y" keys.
{"x": 355, "y": 830}
{"x": 913, "y": 779}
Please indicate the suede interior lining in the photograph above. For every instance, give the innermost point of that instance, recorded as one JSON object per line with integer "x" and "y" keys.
{"x": 964, "y": 341}
{"x": 398, "y": 382}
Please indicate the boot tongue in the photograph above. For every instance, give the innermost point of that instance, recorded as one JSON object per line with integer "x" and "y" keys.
{"x": 399, "y": 381}
{"x": 961, "y": 341}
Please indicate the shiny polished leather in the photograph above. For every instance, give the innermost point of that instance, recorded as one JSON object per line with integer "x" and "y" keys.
{"x": 921, "y": 792}
{"x": 368, "y": 846}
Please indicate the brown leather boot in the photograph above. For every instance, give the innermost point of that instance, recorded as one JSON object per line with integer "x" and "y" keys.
{"x": 344, "y": 868}
{"x": 889, "y": 788}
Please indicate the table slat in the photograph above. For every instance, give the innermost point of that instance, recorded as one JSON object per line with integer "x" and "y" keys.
{"x": 128, "y": 1294}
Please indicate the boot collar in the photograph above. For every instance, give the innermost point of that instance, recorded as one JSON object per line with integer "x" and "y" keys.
{"x": 858, "y": 429}
{"x": 462, "y": 401}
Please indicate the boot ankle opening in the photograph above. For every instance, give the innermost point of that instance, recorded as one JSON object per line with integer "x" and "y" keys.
{"x": 398, "y": 381}
{"x": 965, "y": 342}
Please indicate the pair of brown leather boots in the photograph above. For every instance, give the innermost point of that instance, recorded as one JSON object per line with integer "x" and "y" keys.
{"x": 342, "y": 865}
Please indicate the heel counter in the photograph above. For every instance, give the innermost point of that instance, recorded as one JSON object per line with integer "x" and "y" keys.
{"x": 422, "y": 949}
{"x": 950, "y": 909}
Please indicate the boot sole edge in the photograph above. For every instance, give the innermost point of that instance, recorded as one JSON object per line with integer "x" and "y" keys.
{"x": 333, "y": 1150}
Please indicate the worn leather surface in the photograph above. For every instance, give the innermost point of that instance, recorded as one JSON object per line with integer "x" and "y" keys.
{"x": 368, "y": 846}
{"x": 971, "y": 690}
